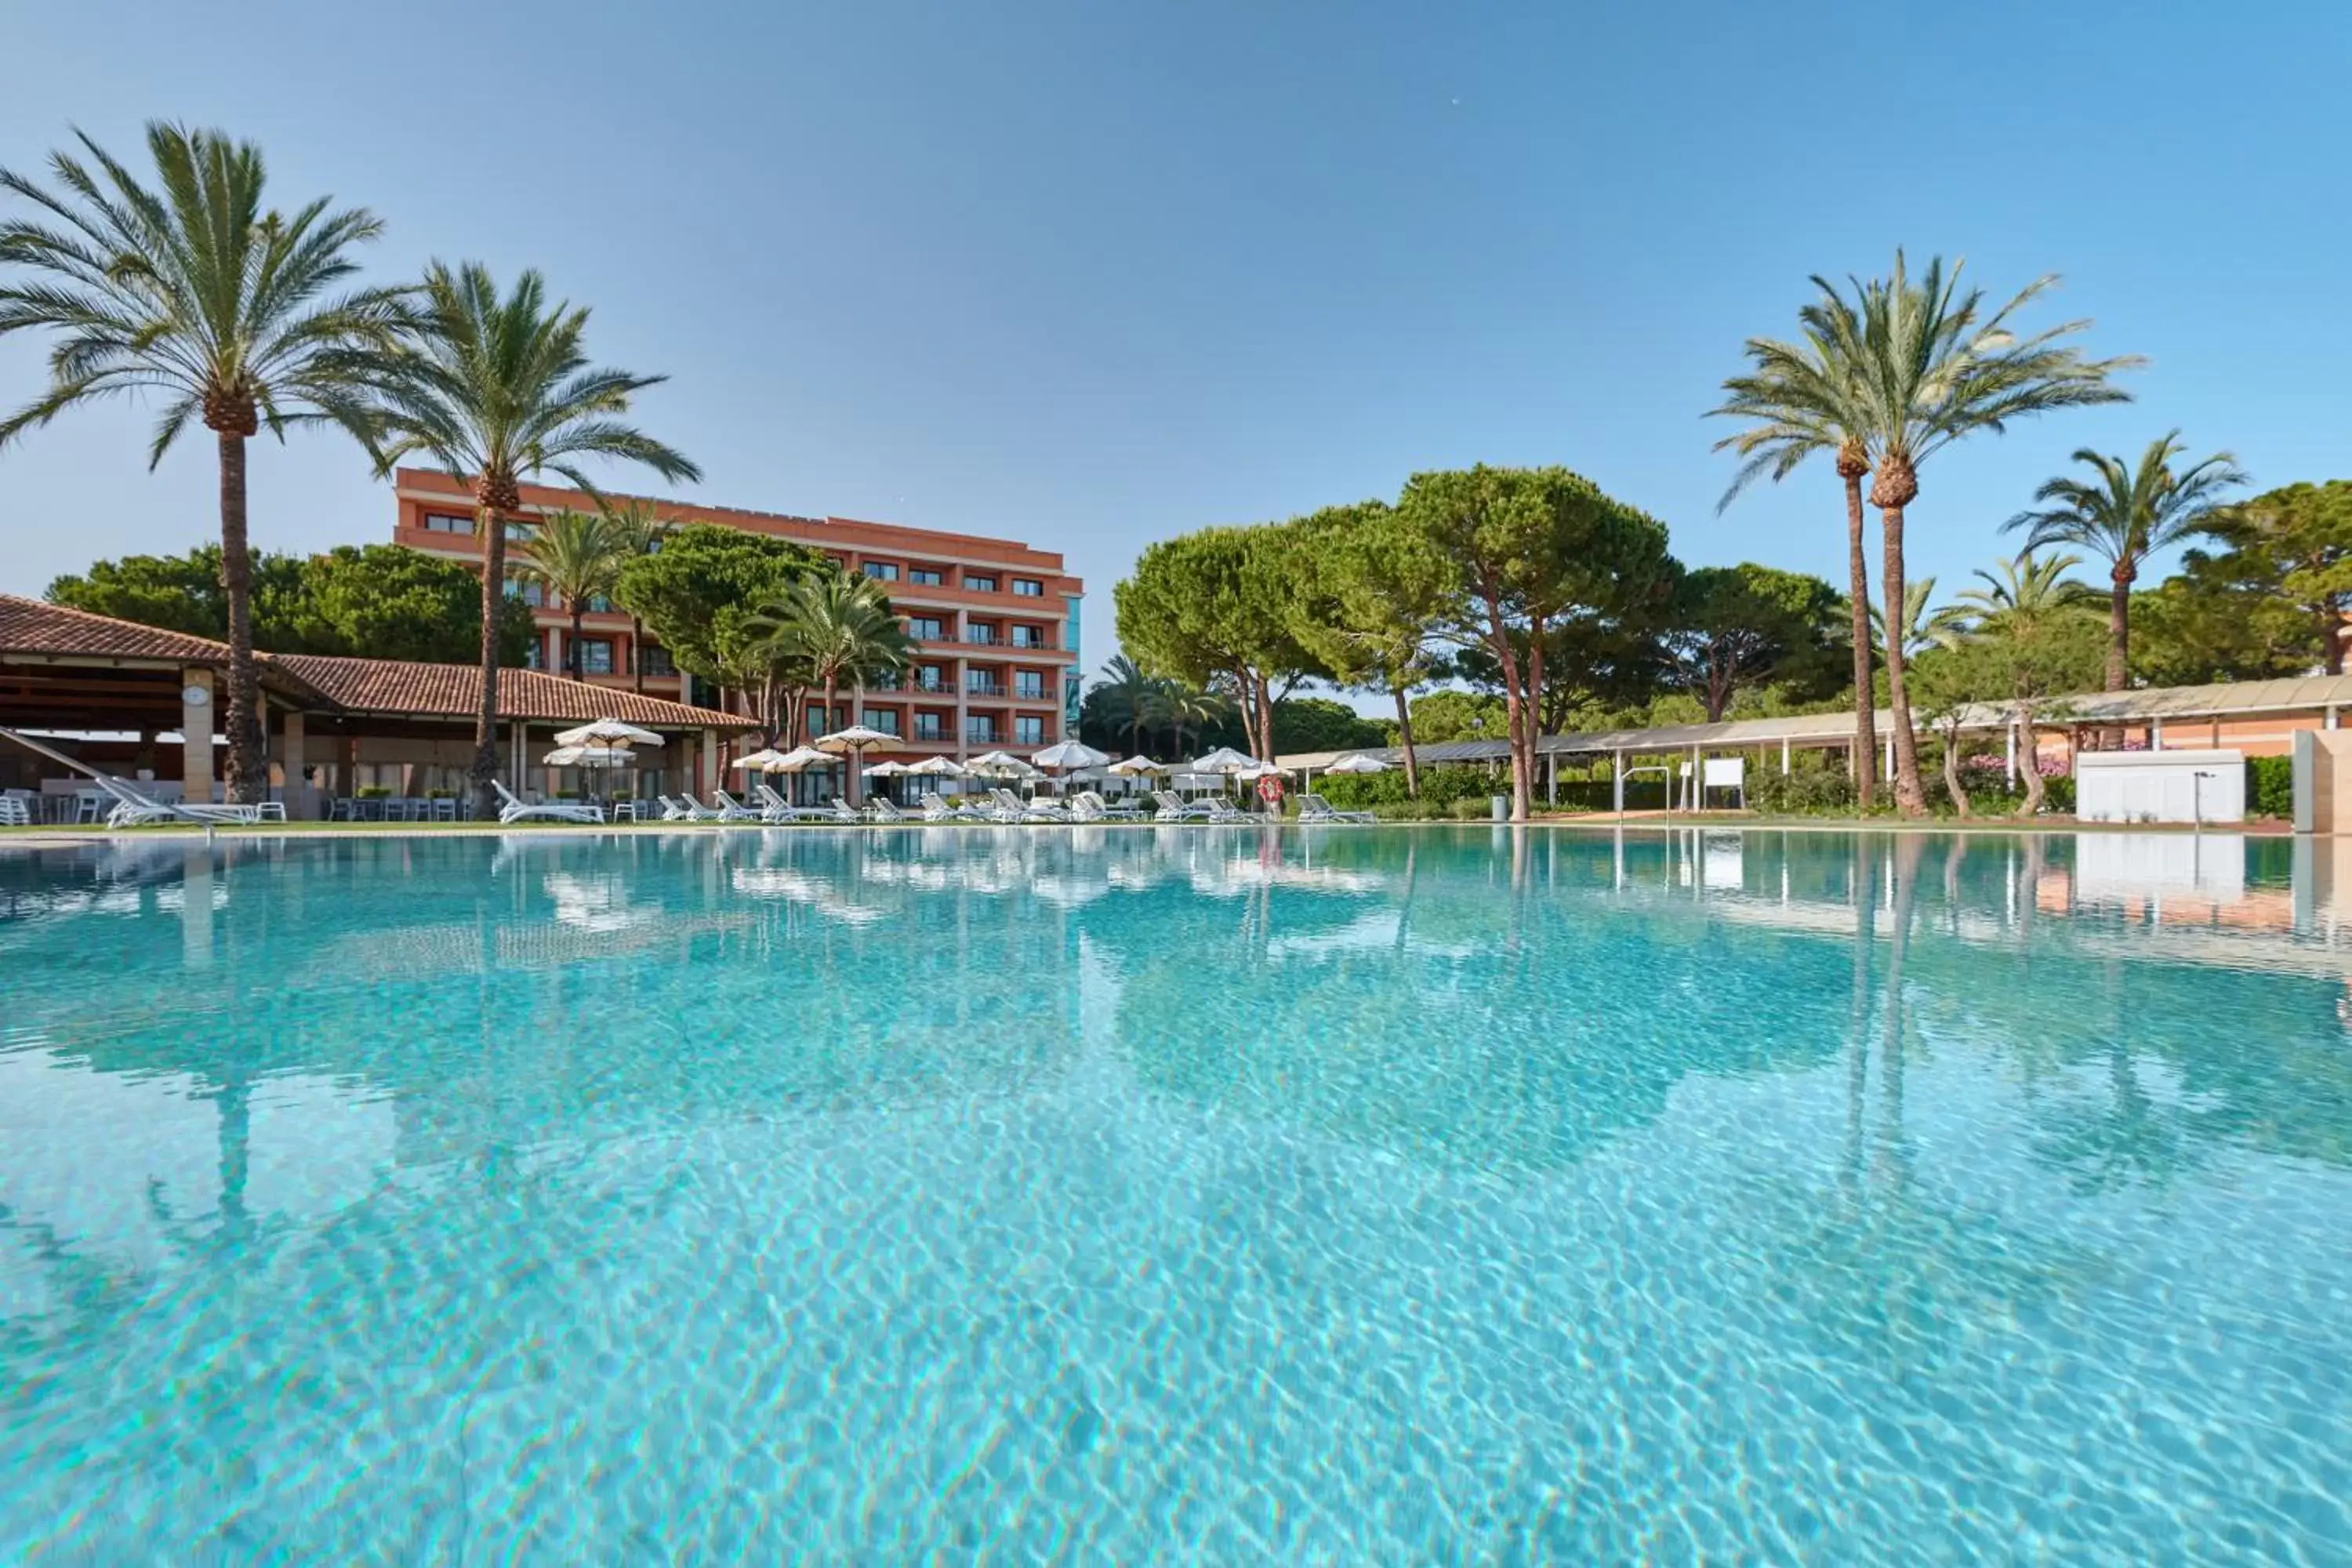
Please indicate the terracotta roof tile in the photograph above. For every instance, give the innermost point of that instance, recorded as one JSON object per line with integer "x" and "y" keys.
{"x": 29, "y": 625}
{"x": 358, "y": 685}
{"x": 386, "y": 685}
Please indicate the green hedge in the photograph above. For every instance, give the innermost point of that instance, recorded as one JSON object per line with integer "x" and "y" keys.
{"x": 2270, "y": 787}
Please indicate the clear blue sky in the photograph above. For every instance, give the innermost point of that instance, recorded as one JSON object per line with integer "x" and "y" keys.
{"x": 1089, "y": 275}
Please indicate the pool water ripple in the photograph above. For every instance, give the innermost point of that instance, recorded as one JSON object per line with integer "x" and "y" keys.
{"x": 1366, "y": 1197}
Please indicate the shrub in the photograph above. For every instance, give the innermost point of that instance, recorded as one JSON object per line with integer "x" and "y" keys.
{"x": 1813, "y": 786}
{"x": 2270, "y": 786}
{"x": 1470, "y": 810}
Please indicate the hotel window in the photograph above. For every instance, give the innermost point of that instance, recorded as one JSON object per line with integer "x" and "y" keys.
{"x": 883, "y": 719}
{"x": 881, "y": 571}
{"x": 928, "y": 727}
{"x": 926, "y": 628}
{"x": 535, "y": 656}
{"x": 1028, "y": 731}
{"x": 925, "y": 576}
{"x": 980, "y": 732}
{"x": 1028, "y": 588}
{"x": 979, "y": 584}
{"x": 981, "y": 683}
{"x": 654, "y": 661}
{"x": 442, "y": 522}
{"x": 600, "y": 603}
{"x": 595, "y": 655}
{"x": 931, "y": 678}
{"x": 1029, "y": 683}
{"x": 816, "y": 725}
{"x": 1028, "y": 636}
{"x": 985, "y": 636}
{"x": 528, "y": 590}
{"x": 520, "y": 531}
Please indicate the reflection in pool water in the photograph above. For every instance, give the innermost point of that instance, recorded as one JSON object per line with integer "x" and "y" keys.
{"x": 1342, "y": 1196}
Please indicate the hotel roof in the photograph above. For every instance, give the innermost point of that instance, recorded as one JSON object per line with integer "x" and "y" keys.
{"x": 52, "y": 633}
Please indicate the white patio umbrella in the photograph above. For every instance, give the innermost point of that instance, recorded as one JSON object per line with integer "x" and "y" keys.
{"x": 588, "y": 757}
{"x": 759, "y": 759}
{"x": 607, "y": 733}
{"x": 799, "y": 759}
{"x": 935, "y": 768}
{"x": 1257, "y": 771}
{"x": 1357, "y": 764}
{"x": 855, "y": 740}
{"x": 1224, "y": 759}
{"x": 1000, "y": 765}
{"x": 1069, "y": 756}
{"x": 1138, "y": 767}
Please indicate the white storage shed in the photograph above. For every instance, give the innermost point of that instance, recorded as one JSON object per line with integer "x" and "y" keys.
{"x": 2160, "y": 786}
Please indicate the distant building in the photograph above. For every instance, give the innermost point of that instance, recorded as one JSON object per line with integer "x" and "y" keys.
{"x": 995, "y": 621}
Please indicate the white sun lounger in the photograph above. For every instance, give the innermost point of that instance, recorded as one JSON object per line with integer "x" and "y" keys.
{"x": 134, "y": 808}
{"x": 839, "y": 810}
{"x": 1315, "y": 808}
{"x": 512, "y": 809}
{"x": 1089, "y": 805}
{"x": 732, "y": 810}
{"x": 1170, "y": 806}
{"x": 775, "y": 810}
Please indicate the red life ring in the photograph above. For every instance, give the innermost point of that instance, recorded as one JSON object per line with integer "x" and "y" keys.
{"x": 1269, "y": 789}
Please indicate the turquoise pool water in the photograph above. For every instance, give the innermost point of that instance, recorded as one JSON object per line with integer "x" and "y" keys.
{"x": 1342, "y": 1196}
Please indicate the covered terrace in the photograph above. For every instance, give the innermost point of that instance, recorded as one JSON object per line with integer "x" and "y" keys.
{"x": 2258, "y": 718}
{"x": 146, "y": 703}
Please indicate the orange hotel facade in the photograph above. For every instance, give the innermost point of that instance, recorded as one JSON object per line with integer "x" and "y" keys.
{"x": 996, "y": 623}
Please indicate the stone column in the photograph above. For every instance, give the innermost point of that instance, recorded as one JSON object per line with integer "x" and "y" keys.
{"x": 297, "y": 795}
{"x": 196, "y": 694}
{"x": 706, "y": 777}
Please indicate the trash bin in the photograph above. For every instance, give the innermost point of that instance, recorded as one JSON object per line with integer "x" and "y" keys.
{"x": 1498, "y": 807}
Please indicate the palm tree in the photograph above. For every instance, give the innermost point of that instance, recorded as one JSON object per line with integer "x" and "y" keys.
{"x": 1189, "y": 709}
{"x": 1801, "y": 399}
{"x": 838, "y": 629}
{"x": 496, "y": 389}
{"x": 1932, "y": 364}
{"x": 1923, "y": 629}
{"x": 1131, "y": 697}
{"x": 225, "y": 311}
{"x": 572, "y": 555}
{"x": 2126, "y": 515}
{"x": 2030, "y": 585}
{"x": 636, "y": 529}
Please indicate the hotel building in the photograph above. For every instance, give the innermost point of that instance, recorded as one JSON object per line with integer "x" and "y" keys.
{"x": 996, "y": 622}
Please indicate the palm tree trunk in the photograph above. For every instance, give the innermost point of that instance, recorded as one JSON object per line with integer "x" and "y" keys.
{"x": 1909, "y": 798}
{"x": 1405, "y": 741}
{"x": 579, "y": 665}
{"x": 637, "y": 652}
{"x": 1866, "y": 701}
{"x": 486, "y": 720}
{"x": 833, "y": 721}
{"x": 248, "y": 765}
{"x": 2331, "y": 636}
{"x": 2119, "y": 629}
{"x": 2119, "y": 581}
{"x": 1952, "y": 770}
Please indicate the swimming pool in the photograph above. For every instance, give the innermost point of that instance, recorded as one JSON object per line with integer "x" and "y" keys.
{"x": 1356, "y": 1196}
